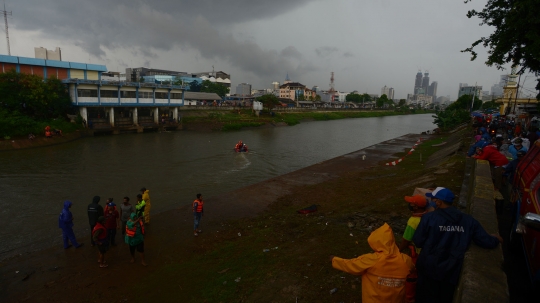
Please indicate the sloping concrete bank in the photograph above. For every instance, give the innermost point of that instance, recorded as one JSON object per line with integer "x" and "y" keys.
{"x": 482, "y": 277}
{"x": 40, "y": 141}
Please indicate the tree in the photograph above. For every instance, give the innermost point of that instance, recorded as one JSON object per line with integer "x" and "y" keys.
{"x": 353, "y": 97}
{"x": 318, "y": 98}
{"x": 383, "y": 100}
{"x": 301, "y": 97}
{"x": 194, "y": 86}
{"x": 464, "y": 102}
{"x": 268, "y": 100}
{"x": 516, "y": 38}
{"x": 489, "y": 104}
{"x": 209, "y": 87}
{"x": 402, "y": 102}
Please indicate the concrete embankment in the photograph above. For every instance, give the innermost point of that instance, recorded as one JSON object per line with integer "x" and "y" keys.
{"x": 483, "y": 278}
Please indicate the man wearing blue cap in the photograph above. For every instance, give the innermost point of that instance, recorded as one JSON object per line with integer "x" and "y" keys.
{"x": 444, "y": 236}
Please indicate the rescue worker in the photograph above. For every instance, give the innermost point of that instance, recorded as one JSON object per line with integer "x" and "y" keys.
{"x": 135, "y": 237}
{"x": 48, "y": 133}
{"x": 497, "y": 161}
{"x": 511, "y": 168}
{"x": 65, "y": 222}
{"x": 417, "y": 205}
{"x": 383, "y": 272}
{"x": 140, "y": 207}
{"x": 146, "y": 199}
{"x": 198, "y": 211}
{"x": 112, "y": 218}
{"x": 516, "y": 147}
{"x": 100, "y": 237}
{"x": 94, "y": 212}
{"x": 444, "y": 236}
{"x": 125, "y": 212}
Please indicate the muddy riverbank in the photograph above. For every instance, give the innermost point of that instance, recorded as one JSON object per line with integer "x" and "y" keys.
{"x": 226, "y": 263}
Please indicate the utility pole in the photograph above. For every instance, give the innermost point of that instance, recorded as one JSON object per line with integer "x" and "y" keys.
{"x": 474, "y": 95}
{"x": 6, "y": 13}
{"x": 517, "y": 92}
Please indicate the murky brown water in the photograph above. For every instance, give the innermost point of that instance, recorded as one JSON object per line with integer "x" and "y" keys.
{"x": 173, "y": 165}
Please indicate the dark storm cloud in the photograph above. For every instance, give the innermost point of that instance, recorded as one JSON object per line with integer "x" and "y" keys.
{"x": 147, "y": 26}
{"x": 292, "y": 52}
{"x": 325, "y": 51}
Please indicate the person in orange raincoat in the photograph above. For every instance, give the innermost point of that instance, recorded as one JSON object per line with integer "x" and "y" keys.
{"x": 383, "y": 272}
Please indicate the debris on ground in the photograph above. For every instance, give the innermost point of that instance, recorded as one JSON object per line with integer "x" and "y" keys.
{"x": 307, "y": 210}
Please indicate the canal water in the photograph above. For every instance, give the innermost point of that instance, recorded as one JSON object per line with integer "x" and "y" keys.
{"x": 174, "y": 166}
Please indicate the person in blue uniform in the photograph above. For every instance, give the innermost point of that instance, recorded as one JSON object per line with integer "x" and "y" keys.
{"x": 444, "y": 236}
{"x": 65, "y": 222}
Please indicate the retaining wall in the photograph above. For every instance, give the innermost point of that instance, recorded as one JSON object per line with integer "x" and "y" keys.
{"x": 482, "y": 277}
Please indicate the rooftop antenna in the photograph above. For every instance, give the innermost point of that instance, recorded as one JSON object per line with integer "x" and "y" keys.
{"x": 6, "y": 13}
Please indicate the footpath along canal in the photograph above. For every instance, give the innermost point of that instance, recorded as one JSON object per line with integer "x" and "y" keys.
{"x": 227, "y": 263}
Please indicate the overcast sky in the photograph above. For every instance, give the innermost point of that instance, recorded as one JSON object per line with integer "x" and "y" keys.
{"x": 367, "y": 44}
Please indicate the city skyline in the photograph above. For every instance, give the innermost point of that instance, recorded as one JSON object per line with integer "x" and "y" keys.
{"x": 261, "y": 46}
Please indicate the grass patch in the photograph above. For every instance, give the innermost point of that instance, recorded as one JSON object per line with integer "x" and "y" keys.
{"x": 234, "y": 120}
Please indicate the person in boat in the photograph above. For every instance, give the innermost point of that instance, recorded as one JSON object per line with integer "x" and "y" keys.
{"x": 239, "y": 145}
{"x": 244, "y": 148}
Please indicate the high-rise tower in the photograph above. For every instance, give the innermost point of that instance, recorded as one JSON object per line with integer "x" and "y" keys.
{"x": 425, "y": 82}
{"x": 418, "y": 82}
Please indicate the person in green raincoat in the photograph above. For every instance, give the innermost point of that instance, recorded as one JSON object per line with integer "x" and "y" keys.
{"x": 135, "y": 236}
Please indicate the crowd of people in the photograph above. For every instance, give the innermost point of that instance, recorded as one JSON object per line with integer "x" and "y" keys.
{"x": 104, "y": 223}
{"x": 437, "y": 235}
{"x": 502, "y": 142}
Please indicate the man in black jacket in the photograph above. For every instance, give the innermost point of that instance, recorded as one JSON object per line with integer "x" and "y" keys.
{"x": 94, "y": 212}
{"x": 444, "y": 236}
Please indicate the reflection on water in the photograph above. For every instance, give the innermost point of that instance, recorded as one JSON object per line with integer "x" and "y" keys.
{"x": 173, "y": 165}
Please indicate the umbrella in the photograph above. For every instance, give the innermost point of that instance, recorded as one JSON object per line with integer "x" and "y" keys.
{"x": 475, "y": 114}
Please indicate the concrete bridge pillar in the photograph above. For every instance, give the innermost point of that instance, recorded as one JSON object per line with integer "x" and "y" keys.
{"x": 156, "y": 115}
{"x": 175, "y": 114}
{"x": 111, "y": 116}
{"x": 84, "y": 114}
{"x": 135, "y": 117}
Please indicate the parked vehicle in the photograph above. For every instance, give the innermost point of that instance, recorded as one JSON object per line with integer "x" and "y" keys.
{"x": 526, "y": 199}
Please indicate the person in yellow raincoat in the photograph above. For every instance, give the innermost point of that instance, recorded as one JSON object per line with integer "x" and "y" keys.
{"x": 146, "y": 197}
{"x": 383, "y": 272}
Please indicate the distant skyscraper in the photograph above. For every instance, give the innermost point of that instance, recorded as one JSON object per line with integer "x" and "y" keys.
{"x": 243, "y": 89}
{"x": 425, "y": 82}
{"x": 497, "y": 89}
{"x": 418, "y": 82}
{"x": 384, "y": 91}
{"x": 391, "y": 93}
{"x": 432, "y": 90}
